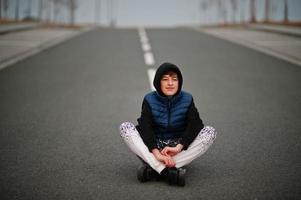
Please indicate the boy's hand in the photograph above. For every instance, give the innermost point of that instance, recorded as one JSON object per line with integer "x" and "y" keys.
{"x": 167, "y": 160}
{"x": 172, "y": 151}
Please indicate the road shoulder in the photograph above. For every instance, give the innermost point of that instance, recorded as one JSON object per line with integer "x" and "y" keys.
{"x": 284, "y": 47}
{"x": 17, "y": 46}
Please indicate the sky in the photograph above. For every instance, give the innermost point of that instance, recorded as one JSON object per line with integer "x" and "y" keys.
{"x": 153, "y": 12}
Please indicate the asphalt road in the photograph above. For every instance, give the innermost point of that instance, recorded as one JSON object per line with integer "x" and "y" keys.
{"x": 60, "y": 112}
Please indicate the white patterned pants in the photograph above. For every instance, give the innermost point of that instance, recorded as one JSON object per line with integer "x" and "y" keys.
{"x": 198, "y": 147}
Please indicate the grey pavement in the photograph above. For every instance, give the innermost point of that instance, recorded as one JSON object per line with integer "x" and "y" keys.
{"x": 286, "y": 30}
{"x": 278, "y": 45}
{"x": 13, "y": 27}
{"x": 18, "y": 45}
{"x": 60, "y": 111}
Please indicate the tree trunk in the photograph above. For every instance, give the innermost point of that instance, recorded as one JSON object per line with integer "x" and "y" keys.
{"x": 1, "y": 5}
{"x": 267, "y": 10}
{"x": 97, "y": 11}
{"x": 5, "y": 7}
{"x": 285, "y": 12}
{"x": 55, "y": 11}
{"x": 72, "y": 7}
{"x": 17, "y": 10}
{"x": 29, "y": 8}
{"x": 48, "y": 12}
{"x": 220, "y": 11}
{"x": 234, "y": 10}
{"x": 252, "y": 11}
{"x": 40, "y": 10}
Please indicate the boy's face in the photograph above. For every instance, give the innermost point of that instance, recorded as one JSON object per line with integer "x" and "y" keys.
{"x": 169, "y": 84}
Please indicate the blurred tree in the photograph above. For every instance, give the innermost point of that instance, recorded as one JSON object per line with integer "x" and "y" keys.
{"x": 241, "y": 11}
{"x": 285, "y": 11}
{"x": 29, "y": 8}
{"x": 267, "y": 10}
{"x": 0, "y": 9}
{"x": 203, "y": 8}
{"x": 252, "y": 11}
{"x": 222, "y": 11}
{"x": 48, "y": 11}
{"x": 41, "y": 8}
{"x": 17, "y": 10}
{"x": 234, "y": 10}
{"x": 218, "y": 5}
{"x": 5, "y": 7}
{"x": 72, "y": 7}
{"x": 56, "y": 10}
{"x": 97, "y": 11}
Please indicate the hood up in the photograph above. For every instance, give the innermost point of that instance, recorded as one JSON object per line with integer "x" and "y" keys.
{"x": 164, "y": 69}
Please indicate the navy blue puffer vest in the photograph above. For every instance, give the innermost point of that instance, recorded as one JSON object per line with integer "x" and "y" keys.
{"x": 169, "y": 115}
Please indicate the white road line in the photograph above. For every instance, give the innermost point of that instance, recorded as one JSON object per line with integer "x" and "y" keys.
{"x": 143, "y": 39}
{"x": 141, "y": 31}
{"x": 148, "y": 55}
{"x": 149, "y": 59}
{"x": 151, "y": 74}
{"x": 142, "y": 35}
{"x": 146, "y": 47}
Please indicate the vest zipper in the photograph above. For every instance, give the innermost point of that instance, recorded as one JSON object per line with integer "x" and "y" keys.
{"x": 169, "y": 107}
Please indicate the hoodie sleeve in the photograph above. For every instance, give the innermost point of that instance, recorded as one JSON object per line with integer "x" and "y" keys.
{"x": 145, "y": 127}
{"x": 194, "y": 126}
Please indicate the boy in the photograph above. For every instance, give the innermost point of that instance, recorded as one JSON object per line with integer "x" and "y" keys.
{"x": 170, "y": 134}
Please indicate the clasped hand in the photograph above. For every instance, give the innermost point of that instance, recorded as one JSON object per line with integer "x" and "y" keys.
{"x": 166, "y": 154}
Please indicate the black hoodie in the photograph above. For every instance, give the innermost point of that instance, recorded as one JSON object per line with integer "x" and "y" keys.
{"x": 146, "y": 123}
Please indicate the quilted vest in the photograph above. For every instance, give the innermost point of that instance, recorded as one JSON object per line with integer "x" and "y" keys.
{"x": 169, "y": 114}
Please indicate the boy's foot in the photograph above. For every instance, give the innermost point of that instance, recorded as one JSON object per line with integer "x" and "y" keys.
{"x": 174, "y": 176}
{"x": 181, "y": 177}
{"x": 146, "y": 173}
